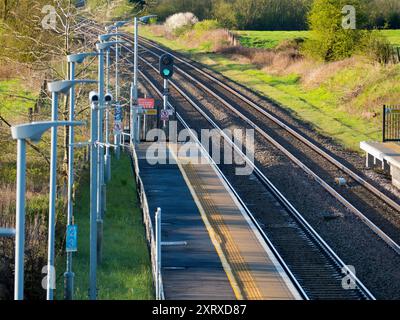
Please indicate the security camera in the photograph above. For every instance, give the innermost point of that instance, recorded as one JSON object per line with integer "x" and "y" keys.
{"x": 108, "y": 97}
{"x": 93, "y": 96}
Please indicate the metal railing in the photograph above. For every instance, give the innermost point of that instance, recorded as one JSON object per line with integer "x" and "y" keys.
{"x": 153, "y": 241}
{"x": 7, "y": 233}
{"x": 391, "y": 124}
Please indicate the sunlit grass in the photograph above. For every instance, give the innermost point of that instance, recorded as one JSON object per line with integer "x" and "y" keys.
{"x": 322, "y": 107}
{"x": 125, "y": 272}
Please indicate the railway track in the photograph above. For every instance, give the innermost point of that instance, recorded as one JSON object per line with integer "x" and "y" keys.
{"x": 362, "y": 198}
{"x": 294, "y": 234}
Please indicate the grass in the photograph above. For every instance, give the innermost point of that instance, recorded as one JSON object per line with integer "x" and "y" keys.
{"x": 268, "y": 39}
{"x": 125, "y": 272}
{"x": 320, "y": 106}
{"x": 14, "y": 98}
{"x": 393, "y": 36}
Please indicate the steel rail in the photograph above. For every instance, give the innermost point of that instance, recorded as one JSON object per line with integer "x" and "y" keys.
{"x": 306, "y": 227}
{"x": 338, "y": 164}
{"x": 380, "y": 233}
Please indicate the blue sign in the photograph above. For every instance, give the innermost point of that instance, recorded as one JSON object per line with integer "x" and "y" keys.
{"x": 72, "y": 238}
{"x": 118, "y": 114}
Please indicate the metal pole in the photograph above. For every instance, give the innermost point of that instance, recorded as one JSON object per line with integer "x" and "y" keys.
{"x": 93, "y": 203}
{"x": 108, "y": 157}
{"x": 52, "y": 199}
{"x": 135, "y": 63}
{"x": 20, "y": 222}
{"x": 131, "y": 119}
{"x": 158, "y": 253}
{"x": 117, "y": 138}
{"x": 165, "y": 105}
{"x": 69, "y": 275}
{"x": 100, "y": 159}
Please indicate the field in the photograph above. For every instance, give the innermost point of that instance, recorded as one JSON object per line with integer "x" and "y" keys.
{"x": 270, "y": 39}
{"x": 125, "y": 273}
{"x": 342, "y": 100}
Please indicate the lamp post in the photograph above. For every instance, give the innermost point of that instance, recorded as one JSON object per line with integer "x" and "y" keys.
{"x": 101, "y": 47}
{"x": 94, "y": 111}
{"x": 104, "y": 38}
{"x": 69, "y": 275}
{"x": 56, "y": 88}
{"x": 32, "y": 131}
{"x": 134, "y": 123}
{"x": 117, "y": 138}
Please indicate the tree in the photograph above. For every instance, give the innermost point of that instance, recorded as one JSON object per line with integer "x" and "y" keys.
{"x": 331, "y": 40}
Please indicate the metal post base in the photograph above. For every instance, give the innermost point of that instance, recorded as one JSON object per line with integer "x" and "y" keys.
{"x": 108, "y": 168}
{"x": 99, "y": 241}
{"x": 69, "y": 285}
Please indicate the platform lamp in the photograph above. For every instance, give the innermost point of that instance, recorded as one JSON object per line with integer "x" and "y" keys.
{"x": 72, "y": 60}
{"x": 104, "y": 38}
{"x": 56, "y": 88}
{"x": 32, "y": 131}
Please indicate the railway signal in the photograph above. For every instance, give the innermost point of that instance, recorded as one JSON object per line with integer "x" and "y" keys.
{"x": 166, "y": 66}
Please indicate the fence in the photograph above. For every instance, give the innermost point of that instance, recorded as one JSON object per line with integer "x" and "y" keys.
{"x": 396, "y": 55}
{"x": 391, "y": 124}
{"x": 233, "y": 39}
{"x": 150, "y": 235}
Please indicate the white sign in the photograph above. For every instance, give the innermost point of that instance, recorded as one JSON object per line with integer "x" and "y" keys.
{"x": 117, "y": 127}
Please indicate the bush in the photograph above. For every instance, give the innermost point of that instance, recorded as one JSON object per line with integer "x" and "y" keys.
{"x": 330, "y": 41}
{"x": 207, "y": 25}
{"x": 379, "y": 48}
{"x": 180, "y": 21}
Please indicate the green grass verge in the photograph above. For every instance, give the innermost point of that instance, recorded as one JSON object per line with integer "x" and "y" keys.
{"x": 15, "y": 98}
{"x": 125, "y": 272}
{"x": 270, "y": 39}
{"x": 319, "y": 106}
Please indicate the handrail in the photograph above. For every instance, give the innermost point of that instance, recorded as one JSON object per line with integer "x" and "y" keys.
{"x": 150, "y": 236}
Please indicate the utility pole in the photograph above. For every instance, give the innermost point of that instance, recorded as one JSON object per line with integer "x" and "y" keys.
{"x": 56, "y": 88}
{"x": 69, "y": 275}
{"x": 94, "y": 100}
{"x": 31, "y": 131}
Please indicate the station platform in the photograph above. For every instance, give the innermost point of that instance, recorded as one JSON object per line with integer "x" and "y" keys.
{"x": 218, "y": 252}
{"x": 388, "y": 156}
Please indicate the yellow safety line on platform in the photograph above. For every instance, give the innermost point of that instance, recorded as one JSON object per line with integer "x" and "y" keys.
{"x": 239, "y": 267}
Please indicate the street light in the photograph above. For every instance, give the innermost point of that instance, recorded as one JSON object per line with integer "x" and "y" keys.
{"x": 117, "y": 25}
{"x": 56, "y": 88}
{"x": 101, "y": 46}
{"x": 72, "y": 60}
{"x": 104, "y": 38}
{"x": 94, "y": 111}
{"x": 31, "y": 131}
{"x": 134, "y": 90}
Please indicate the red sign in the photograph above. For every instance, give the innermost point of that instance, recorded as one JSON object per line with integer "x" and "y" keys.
{"x": 146, "y": 103}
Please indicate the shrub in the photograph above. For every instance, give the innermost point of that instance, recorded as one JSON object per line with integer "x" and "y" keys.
{"x": 379, "y": 48}
{"x": 180, "y": 21}
{"x": 207, "y": 25}
{"x": 330, "y": 41}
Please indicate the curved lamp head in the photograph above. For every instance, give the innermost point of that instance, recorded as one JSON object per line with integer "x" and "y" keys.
{"x": 106, "y": 45}
{"x": 145, "y": 19}
{"x": 109, "y": 28}
{"x": 63, "y": 86}
{"x": 79, "y": 57}
{"x": 106, "y": 37}
{"x": 119, "y": 24}
{"x": 33, "y": 131}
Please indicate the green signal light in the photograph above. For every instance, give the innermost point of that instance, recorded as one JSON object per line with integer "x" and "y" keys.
{"x": 166, "y": 72}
